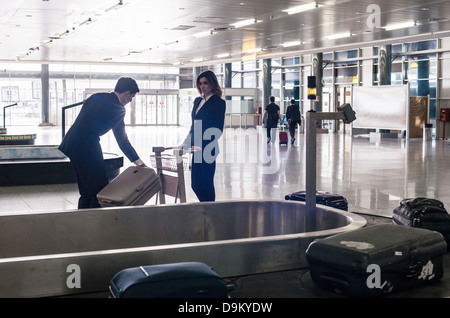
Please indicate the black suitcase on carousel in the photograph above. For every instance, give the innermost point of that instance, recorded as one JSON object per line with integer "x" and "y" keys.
{"x": 175, "y": 280}
{"x": 324, "y": 198}
{"x": 376, "y": 260}
{"x": 423, "y": 213}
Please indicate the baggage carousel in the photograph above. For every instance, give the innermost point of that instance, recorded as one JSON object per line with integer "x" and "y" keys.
{"x": 33, "y": 164}
{"x": 236, "y": 238}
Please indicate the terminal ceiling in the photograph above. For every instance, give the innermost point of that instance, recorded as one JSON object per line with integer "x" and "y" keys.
{"x": 202, "y": 32}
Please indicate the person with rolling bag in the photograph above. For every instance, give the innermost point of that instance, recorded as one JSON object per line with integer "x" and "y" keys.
{"x": 272, "y": 111}
{"x": 293, "y": 119}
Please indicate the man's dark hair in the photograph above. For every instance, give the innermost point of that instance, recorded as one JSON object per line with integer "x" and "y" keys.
{"x": 272, "y": 99}
{"x": 293, "y": 101}
{"x": 126, "y": 84}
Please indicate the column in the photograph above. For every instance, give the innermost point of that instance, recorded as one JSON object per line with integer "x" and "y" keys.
{"x": 384, "y": 65}
{"x": 317, "y": 71}
{"x": 45, "y": 108}
{"x": 267, "y": 81}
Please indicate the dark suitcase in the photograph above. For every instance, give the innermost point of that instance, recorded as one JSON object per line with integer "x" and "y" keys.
{"x": 324, "y": 198}
{"x": 134, "y": 186}
{"x": 376, "y": 260}
{"x": 423, "y": 213}
{"x": 176, "y": 280}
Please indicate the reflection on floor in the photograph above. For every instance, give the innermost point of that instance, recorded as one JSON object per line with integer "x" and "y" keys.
{"x": 373, "y": 176}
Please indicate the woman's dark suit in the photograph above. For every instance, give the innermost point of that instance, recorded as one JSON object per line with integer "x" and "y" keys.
{"x": 99, "y": 114}
{"x": 206, "y": 129}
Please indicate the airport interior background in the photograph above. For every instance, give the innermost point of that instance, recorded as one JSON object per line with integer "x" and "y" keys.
{"x": 397, "y": 83}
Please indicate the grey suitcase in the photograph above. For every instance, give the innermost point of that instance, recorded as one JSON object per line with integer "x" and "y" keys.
{"x": 134, "y": 186}
{"x": 376, "y": 260}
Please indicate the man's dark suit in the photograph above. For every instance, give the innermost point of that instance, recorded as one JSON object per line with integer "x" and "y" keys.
{"x": 100, "y": 113}
{"x": 206, "y": 129}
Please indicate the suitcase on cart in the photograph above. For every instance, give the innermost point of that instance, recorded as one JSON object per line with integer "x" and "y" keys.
{"x": 376, "y": 260}
{"x": 324, "y": 198}
{"x": 423, "y": 213}
{"x": 176, "y": 280}
{"x": 134, "y": 186}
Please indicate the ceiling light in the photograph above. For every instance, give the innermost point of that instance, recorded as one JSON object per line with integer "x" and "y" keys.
{"x": 302, "y": 8}
{"x": 339, "y": 36}
{"x": 399, "y": 25}
{"x": 243, "y": 23}
{"x": 116, "y": 6}
{"x": 202, "y": 34}
{"x": 292, "y": 43}
{"x": 220, "y": 56}
{"x": 200, "y": 59}
{"x": 253, "y": 50}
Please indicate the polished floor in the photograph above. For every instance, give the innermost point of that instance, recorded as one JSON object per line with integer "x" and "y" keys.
{"x": 374, "y": 175}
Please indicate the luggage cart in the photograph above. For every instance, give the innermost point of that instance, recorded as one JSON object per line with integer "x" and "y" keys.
{"x": 170, "y": 170}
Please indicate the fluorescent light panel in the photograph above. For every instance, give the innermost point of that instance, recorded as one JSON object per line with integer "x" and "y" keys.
{"x": 202, "y": 34}
{"x": 399, "y": 25}
{"x": 254, "y": 50}
{"x": 339, "y": 36}
{"x": 292, "y": 43}
{"x": 302, "y": 8}
{"x": 243, "y": 23}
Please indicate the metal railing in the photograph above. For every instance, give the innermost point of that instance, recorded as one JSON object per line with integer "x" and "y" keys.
{"x": 4, "y": 113}
{"x": 63, "y": 119}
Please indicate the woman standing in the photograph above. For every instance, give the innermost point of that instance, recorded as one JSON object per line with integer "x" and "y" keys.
{"x": 208, "y": 116}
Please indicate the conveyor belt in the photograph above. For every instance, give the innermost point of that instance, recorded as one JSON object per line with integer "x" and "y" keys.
{"x": 234, "y": 237}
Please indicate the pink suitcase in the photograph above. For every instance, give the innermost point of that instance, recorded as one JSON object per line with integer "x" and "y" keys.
{"x": 134, "y": 186}
{"x": 283, "y": 137}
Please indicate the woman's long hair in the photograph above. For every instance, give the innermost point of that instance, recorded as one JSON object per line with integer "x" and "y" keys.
{"x": 212, "y": 80}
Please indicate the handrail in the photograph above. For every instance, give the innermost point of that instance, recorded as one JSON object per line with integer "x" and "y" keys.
{"x": 4, "y": 113}
{"x": 63, "y": 125}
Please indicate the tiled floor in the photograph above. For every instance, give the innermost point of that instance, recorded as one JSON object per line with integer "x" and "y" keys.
{"x": 373, "y": 176}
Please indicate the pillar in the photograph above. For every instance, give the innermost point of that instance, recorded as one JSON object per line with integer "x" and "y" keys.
{"x": 267, "y": 81}
{"x": 317, "y": 71}
{"x": 228, "y": 75}
{"x": 384, "y": 65}
{"x": 45, "y": 84}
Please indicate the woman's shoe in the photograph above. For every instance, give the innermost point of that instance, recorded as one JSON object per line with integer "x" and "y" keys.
{"x": 268, "y": 140}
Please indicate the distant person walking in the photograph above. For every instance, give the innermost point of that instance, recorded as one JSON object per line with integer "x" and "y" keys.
{"x": 272, "y": 111}
{"x": 293, "y": 118}
{"x": 99, "y": 114}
